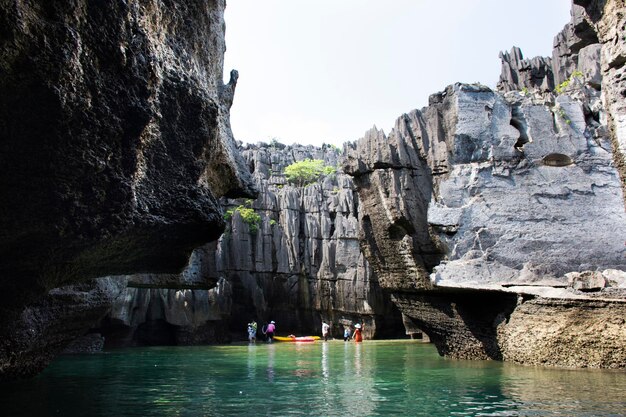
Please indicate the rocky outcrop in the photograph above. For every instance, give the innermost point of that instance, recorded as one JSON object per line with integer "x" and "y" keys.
{"x": 305, "y": 257}
{"x": 569, "y": 45}
{"x": 44, "y": 329}
{"x": 116, "y": 143}
{"x": 589, "y": 50}
{"x": 576, "y": 48}
{"x": 485, "y": 208}
{"x": 165, "y": 316}
{"x": 519, "y": 73}
{"x": 608, "y": 19}
{"x": 565, "y": 332}
{"x": 299, "y": 266}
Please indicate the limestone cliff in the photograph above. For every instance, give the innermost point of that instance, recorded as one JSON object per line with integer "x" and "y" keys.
{"x": 115, "y": 146}
{"x": 305, "y": 256}
{"x": 487, "y": 208}
{"x": 608, "y": 19}
{"x": 299, "y": 265}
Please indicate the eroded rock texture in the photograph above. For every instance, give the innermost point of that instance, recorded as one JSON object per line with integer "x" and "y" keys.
{"x": 166, "y": 316}
{"x": 115, "y": 142}
{"x": 576, "y": 48}
{"x": 303, "y": 264}
{"x": 485, "y": 208}
{"x": 305, "y": 256}
{"x": 608, "y": 18}
{"x": 518, "y": 73}
{"x": 44, "y": 329}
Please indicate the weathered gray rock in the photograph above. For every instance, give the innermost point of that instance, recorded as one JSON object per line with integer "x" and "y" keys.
{"x": 589, "y": 63}
{"x": 305, "y": 256}
{"x": 149, "y": 316}
{"x": 575, "y": 49}
{"x": 587, "y": 281}
{"x": 576, "y": 34}
{"x": 517, "y": 208}
{"x": 301, "y": 267}
{"x": 608, "y": 18}
{"x": 519, "y": 73}
{"x": 524, "y": 199}
{"x": 490, "y": 192}
{"x": 116, "y": 143}
{"x": 615, "y": 278}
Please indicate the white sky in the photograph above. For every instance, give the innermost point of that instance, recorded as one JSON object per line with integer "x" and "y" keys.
{"x": 314, "y": 71}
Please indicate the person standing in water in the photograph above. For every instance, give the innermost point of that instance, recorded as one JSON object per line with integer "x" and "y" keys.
{"x": 325, "y": 330}
{"x": 252, "y": 331}
{"x": 346, "y": 334}
{"x": 357, "y": 336}
{"x": 269, "y": 332}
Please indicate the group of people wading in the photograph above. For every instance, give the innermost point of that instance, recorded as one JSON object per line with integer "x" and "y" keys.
{"x": 357, "y": 336}
{"x": 269, "y": 329}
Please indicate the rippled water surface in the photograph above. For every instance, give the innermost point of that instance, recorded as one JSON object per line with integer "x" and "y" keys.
{"x": 319, "y": 379}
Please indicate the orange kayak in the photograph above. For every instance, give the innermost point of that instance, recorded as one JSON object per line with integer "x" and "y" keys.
{"x": 296, "y": 339}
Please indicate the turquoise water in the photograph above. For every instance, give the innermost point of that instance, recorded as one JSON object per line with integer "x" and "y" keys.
{"x": 374, "y": 378}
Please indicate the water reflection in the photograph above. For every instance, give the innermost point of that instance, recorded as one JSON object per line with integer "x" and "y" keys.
{"x": 270, "y": 362}
{"x": 363, "y": 394}
{"x": 251, "y": 362}
{"x": 325, "y": 362}
{"x": 357, "y": 360}
{"x": 564, "y": 392}
{"x": 333, "y": 378}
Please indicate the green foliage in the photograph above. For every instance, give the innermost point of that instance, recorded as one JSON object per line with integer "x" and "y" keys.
{"x": 561, "y": 112}
{"x": 248, "y": 215}
{"x": 328, "y": 170}
{"x": 563, "y": 86}
{"x": 308, "y": 171}
{"x": 525, "y": 91}
{"x": 272, "y": 222}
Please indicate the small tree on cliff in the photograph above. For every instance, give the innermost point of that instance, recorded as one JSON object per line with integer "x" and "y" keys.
{"x": 305, "y": 172}
{"x": 248, "y": 215}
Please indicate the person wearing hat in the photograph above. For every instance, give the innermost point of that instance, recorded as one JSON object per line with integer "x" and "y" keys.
{"x": 269, "y": 332}
{"x": 357, "y": 333}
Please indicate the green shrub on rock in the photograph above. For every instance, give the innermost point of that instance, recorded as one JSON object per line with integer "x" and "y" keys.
{"x": 560, "y": 89}
{"x": 306, "y": 172}
{"x": 248, "y": 215}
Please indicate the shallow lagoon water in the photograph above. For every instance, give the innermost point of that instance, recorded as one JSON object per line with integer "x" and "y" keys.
{"x": 334, "y": 378}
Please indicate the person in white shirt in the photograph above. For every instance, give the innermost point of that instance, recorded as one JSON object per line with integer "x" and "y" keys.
{"x": 325, "y": 330}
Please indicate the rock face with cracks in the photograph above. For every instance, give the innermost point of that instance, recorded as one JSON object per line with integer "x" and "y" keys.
{"x": 299, "y": 265}
{"x": 115, "y": 144}
{"x": 608, "y": 19}
{"x": 497, "y": 219}
{"x": 494, "y": 220}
